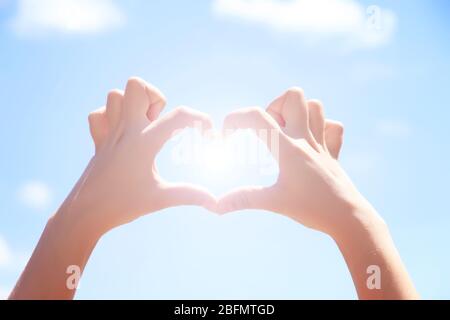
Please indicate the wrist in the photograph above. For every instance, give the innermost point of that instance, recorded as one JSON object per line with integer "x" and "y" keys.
{"x": 79, "y": 212}
{"x": 360, "y": 219}
{"x": 369, "y": 251}
{"x": 76, "y": 222}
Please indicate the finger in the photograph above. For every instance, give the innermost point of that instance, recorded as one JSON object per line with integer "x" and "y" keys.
{"x": 334, "y": 137}
{"x": 317, "y": 121}
{"x": 264, "y": 126}
{"x": 295, "y": 114}
{"x": 182, "y": 117}
{"x": 157, "y": 102}
{"x": 142, "y": 100}
{"x": 181, "y": 194}
{"x": 258, "y": 198}
{"x": 274, "y": 109}
{"x": 98, "y": 126}
{"x": 114, "y": 107}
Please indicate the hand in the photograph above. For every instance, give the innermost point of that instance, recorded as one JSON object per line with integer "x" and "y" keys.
{"x": 312, "y": 188}
{"x": 121, "y": 182}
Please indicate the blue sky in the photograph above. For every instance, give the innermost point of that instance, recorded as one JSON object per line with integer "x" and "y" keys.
{"x": 390, "y": 89}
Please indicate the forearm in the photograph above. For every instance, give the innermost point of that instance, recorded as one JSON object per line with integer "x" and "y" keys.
{"x": 62, "y": 252}
{"x": 373, "y": 260}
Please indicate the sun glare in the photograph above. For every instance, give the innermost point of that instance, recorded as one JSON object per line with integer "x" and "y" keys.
{"x": 217, "y": 159}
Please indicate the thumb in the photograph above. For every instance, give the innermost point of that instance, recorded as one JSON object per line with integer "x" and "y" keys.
{"x": 247, "y": 198}
{"x": 183, "y": 194}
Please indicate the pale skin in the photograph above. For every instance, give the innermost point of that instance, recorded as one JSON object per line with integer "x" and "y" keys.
{"x": 121, "y": 184}
{"x": 313, "y": 189}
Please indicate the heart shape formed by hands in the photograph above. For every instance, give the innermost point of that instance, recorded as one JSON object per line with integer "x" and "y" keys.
{"x": 129, "y": 132}
{"x": 122, "y": 183}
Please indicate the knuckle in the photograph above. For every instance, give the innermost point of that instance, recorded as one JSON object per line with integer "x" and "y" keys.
{"x": 340, "y": 129}
{"x": 156, "y": 96}
{"x": 183, "y": 114}
{"x": 162, "y": 100}
{"x": 335, "y": 128}
{"x": 296, "y": 91}
{"x": 92, "y": 118}
{"x": 96, "y": 115}
{"x": 316, "y": 104}
{"x": 136, "y": 82}
{"x": 114, "y": 95}
{"x": 182, "y": 111}
{"x": 255, "y": 112}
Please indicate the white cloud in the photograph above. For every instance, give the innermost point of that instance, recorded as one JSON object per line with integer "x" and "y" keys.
{"x": 5, "y": 254}
{"x": 346, "y": 20}
{"x": 35, "y": 195}
{"x": 394, "y": 129}
{"x": 36, "y": 17}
